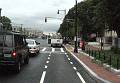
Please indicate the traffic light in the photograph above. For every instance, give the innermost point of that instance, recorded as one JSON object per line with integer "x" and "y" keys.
{"x": 45, "y": 19}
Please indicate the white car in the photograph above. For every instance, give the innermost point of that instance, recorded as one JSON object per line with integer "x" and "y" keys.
{"x": 34, "y": 47}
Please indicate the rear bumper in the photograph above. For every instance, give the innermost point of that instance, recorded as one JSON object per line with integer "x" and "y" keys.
{"x": 7, "y": 63}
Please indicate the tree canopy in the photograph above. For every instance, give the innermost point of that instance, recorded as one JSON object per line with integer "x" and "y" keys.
{"x": 6, "y": 23}
{"x": 94, "y": 16}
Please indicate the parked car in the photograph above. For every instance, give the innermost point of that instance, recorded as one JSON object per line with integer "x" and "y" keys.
{"x": 13, "y": 50}
{"x": 34, "y": 47}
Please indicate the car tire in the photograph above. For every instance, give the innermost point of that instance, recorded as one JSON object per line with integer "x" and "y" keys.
{"x": 18, "y": 67}
{"x": 26, "y": 60}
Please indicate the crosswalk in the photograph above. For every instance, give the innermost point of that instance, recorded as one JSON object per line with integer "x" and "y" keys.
{"x": 51, "y": 49}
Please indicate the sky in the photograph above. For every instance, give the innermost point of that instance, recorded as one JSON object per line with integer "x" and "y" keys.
{"x": 31, "y": 13}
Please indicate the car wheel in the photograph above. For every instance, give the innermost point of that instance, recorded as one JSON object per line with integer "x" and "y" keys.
{"x": 26, "y": 60}
{"x": 18, "y": 67}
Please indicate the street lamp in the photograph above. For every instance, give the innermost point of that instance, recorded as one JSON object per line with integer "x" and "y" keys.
{"x": 76, "y": 14}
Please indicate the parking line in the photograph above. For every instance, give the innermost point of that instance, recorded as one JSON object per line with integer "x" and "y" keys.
{"x": 43, "y": 77}
{"x": 43, "y": 49}
{"x": 62, "y": 50}
{"x": 81, "y": 78}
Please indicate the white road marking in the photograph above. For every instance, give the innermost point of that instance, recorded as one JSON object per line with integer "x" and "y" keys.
{"x": 50, "y": 52}
{"x": 43, "y": 49}
{"x": 48, "y": 58}
{"x": 67, "y": 56}
{"x": 74, "y": 68}
{"x": 46, "y": 66}
{"x": 43, "y": 77}
{"x": 62, "y": 50}
{"x": 49, "y": 55}
{"x": 53, "y": 49}
{"x": 65, "y": 53}
{"x": 69, "y": 59}
{"x": 47, "y": 61}
{"x": 81, "y": 78}
{"x": 71, "y": 63}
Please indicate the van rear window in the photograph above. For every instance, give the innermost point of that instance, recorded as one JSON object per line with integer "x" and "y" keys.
{"x": 6, "y": 40}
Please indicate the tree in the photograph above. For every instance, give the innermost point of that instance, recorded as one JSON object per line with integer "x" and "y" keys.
{"x": 6, "y": 23}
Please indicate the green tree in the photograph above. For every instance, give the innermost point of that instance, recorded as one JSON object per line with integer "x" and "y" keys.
{"x": 6, "y": 23}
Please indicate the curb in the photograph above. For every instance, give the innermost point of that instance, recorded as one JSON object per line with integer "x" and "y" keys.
{"x": 88, "y": 69}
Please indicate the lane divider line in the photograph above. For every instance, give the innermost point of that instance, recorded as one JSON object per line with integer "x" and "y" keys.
{"x": 75, "y": 68}
{"x": 71, "y": 63}
{"x": 49, "y": 55}
{"x": 46, "y": 66}
{"x": 48, "y": 58}
{"x": 43, "y": 77}
{"x": 53, "y": 49}
{"x": 47, "y": 62}
{"x": 43, "y": 49}
{"x": 67, "y": 56}
{"x": 69, "y": 59}
{"x": 81, "y": 78}
{"x": 62, "y": 50}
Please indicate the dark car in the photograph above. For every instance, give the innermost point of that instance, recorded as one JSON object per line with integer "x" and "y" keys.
{"x": 13, "y": 50}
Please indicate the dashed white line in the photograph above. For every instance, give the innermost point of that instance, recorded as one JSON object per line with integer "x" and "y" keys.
{"x": 66, "y": 55}
{"x": 43, "y": 49}
{"x": 48, "y": 58}
{"x": 49, "y": 55}
{"x": 62, "y": 50}
{"x": 81, "y": 78}
{"x": 74, "y": 68}
{"x": 71, "y": 63}
{"x": 46, "y": 66}
{"x": 53, "y": 49}
{"x": 43, "y": 77}
{"x": 69, "y": 59}
{"x": 47, "y": 61}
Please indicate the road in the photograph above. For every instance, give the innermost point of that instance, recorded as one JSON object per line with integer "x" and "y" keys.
{"x": 52, "y": 65}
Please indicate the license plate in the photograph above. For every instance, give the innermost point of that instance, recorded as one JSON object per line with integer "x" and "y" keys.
{"x": 7, "y": 55}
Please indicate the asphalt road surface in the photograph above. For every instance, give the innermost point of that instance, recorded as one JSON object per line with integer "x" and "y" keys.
{"x": 52, "y": 65}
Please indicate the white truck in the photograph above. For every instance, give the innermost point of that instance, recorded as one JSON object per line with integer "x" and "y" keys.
{"x": 56, "y": 40}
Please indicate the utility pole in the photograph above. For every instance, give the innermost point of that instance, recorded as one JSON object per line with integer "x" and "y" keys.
{"x": 76, "y": 14}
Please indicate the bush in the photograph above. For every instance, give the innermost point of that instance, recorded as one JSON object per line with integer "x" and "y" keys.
{"x": 115, "y": 50}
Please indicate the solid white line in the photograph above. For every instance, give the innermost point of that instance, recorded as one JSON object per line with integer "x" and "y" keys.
{"x": 62, "y": 50}
{"x": 81, "y": 78}
{"x": 47, "y": 61}
{"x": 43, "y": 77}
{"x": 53, "y": 49}
{"x": 46, "y": 66}
{"x": 74, "y": 68}
{"x": 71, "y": 63}
{"x": 43, "y": 49}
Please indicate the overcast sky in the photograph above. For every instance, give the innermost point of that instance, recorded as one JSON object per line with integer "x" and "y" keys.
{"x": 31, "y": 13}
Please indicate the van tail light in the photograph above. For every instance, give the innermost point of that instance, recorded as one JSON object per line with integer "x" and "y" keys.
{"x": 13, "y": 54}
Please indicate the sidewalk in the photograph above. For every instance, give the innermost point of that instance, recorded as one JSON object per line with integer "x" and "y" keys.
{"x": 98, "y": 69}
